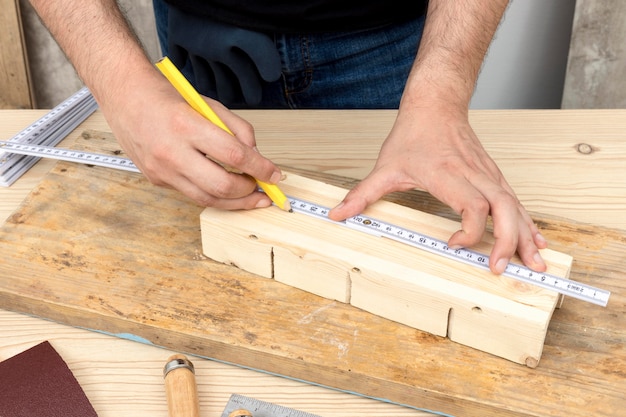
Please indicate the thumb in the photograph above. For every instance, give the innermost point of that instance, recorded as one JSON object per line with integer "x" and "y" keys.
{"x": 368, "y": 191}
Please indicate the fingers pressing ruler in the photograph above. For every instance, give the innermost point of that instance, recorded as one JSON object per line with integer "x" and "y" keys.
{"x": 521, "y": 273}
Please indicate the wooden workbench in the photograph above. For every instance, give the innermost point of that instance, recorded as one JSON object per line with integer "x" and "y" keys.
{"x": 552, "y": 159}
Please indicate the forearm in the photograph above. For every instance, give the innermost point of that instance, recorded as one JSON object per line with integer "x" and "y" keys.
{"x": 456, "y": 37}
{"x": 170, "y": 142}
{"x": 100, "y": 44}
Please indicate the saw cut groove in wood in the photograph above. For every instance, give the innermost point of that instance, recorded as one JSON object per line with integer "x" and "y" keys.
{"x": 425, "y": 291}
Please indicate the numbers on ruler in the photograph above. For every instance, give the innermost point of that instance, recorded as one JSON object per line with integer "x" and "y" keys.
{"x": 379, "y": 228}
{"x": 71, "y": 155}
{"x": 305, "y": 207}
{"x": 263, "y": 408}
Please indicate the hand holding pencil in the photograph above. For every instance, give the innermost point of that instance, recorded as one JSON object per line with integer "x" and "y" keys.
{"x": 196, "y": 101}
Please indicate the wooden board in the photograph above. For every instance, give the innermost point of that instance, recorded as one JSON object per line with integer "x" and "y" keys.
{"x": 15, "y": 91}
{"x": 106, "y": 250}
{"x": 123, "y": 378}
{"x": 393, "y": 280}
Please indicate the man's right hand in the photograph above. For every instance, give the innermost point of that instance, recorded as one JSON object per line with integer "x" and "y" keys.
{"x": 175, "y": 146}
{"x": 166, "y": 138}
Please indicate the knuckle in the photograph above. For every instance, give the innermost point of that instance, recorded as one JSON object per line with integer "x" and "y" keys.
{"x": 222, "y": 187}
{"x": 479, "y": 205}
{"x": 246, "y": 128}
{"x": 204, "y": 200}
{"x": 179, "y": 117}
{"x": 155, "y": 180}
{"x": 153, "y": 174}
{"x": 236, "y": 155}
{"x": 157, "y": 161}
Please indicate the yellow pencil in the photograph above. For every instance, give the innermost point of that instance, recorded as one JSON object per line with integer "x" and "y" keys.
{"x": 178, "y": 80}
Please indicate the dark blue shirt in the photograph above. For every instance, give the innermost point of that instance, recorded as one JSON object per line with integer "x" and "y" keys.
{"x": 297, "y": 16}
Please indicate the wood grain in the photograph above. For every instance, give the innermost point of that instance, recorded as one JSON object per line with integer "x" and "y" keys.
{"x": 12, "y": 122}
{"x": 181, "y": 389}
{"x": 15, "y": 90}
{"x": 106, "y": 250}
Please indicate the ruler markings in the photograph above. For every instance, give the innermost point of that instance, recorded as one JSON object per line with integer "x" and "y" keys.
{"x": 468, "y": 256}
{"x": 9, "y": 163}
{"x": 73, "y": 104}
{"x": 83, "y": 157}
{"x": 48, "y": 130}
{"x": 259, "y": 408}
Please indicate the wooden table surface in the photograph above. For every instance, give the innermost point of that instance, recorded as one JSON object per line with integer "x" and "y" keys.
{"x": 124, "y": 378}
{"x": 567, "y": 164}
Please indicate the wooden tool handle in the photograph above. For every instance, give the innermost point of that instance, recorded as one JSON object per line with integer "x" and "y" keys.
{"x": 180, "y": 387}
{"x": 240, "y": 413}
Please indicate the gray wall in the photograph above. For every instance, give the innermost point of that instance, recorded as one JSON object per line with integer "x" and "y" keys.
{"x": 596, "y": 74}
{"x": 526, "y": 63}
{"x": 526, "y": 66}
{"x": 53, "y": 77}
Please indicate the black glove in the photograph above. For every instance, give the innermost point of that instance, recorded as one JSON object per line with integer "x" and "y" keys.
{"x": 229, "y": 64}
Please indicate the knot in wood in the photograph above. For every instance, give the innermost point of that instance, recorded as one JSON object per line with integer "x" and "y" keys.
{"x": 585, "y": 148}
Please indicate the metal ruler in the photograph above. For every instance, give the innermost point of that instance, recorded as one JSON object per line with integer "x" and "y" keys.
{"x": 62, "y": 154}
{"x": 11, "y": 149}
{"x": 48, "y": 131}
{"x": 519, "y": 272}
{"x": 258, "y": 408}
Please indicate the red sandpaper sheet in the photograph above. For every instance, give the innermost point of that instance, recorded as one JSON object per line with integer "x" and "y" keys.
{"x": 38, "y": 383}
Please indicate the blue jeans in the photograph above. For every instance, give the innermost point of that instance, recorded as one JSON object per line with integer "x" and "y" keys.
{"x": 364, "y": 69}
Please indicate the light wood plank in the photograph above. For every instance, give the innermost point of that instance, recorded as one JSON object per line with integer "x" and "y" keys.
{"x": 15, "y": 88}
{"x": 393, "y": 280}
